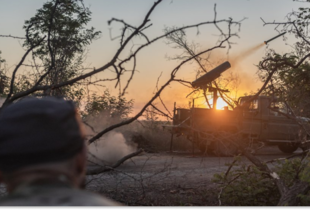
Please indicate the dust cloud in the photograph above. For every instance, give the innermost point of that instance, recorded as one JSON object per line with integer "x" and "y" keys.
{"x": 112, "y": 146}
{"x": 109, "y": 149}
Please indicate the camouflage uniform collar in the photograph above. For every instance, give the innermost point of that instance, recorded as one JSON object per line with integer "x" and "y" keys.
{"x": 31, "y": 187}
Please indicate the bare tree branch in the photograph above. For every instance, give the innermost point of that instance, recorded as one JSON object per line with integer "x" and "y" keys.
{"x": 16, "y": 69}
{"x": 161, "y": 112}
{"x": 117, "y": 164}
{"x": 172, "y": 76}
{"x": 10, "y": 36}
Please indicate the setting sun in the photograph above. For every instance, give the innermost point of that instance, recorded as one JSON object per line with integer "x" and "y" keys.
{"x": 220, "y": 104}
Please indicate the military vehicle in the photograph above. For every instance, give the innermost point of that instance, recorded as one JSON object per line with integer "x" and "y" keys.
{"x": 255, "y": 121}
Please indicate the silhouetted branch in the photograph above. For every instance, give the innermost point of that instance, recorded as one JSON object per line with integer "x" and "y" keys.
{"x": 10, "y": 36}
{"x": 117, "y": 164}
{"x": 16, "y": 69}
{"x": 161, "y": 112}
{"x": 172, "y": 76}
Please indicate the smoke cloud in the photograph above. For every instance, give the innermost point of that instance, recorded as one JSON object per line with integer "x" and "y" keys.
{"x": 110, "y": 148}
{"x": 246, "y": 53}
{"x": 248, "y": 83}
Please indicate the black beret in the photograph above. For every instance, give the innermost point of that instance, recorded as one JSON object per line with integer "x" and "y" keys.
{"x": 34, "y": 131}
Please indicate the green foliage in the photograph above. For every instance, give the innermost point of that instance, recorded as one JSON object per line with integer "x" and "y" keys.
{"x": 4, "y": 83}
{"x": 288, "y": 170}
{"x": 110, "y": 106}
{"x": 302, "y": 20}
{"x": 61, "y": 55}
{"x": 63, "y": 24}
{"x": 246, "y": 185}
{"x": 305, "y": 175}
{"x": 66, "y": 30}
{"x": 22, "y": 83}
{"x": 1, "y": 60}
{"x": 289, "y": 82}
{"x": 4, "y": 79}
{"x": 152, "y": 121}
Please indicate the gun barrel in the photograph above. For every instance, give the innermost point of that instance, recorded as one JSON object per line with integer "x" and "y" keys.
{"x": 211, "y": 75}
{"x": 269, "y": 40}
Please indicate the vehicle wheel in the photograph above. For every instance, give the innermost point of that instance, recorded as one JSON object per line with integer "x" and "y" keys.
{"x": 288, "y": 147}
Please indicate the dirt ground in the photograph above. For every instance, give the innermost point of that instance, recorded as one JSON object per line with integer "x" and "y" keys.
{"x": 168, "y": 178}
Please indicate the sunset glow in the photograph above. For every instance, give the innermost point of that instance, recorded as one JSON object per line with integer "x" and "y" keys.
{"x": 220, "y": 104}
{"x": 153, "y": 67}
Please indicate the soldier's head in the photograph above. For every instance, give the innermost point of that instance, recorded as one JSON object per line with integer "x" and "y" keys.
{"x": 41, "y": 138}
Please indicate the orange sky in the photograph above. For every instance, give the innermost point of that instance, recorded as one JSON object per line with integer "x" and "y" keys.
{"x": 152, "y": 62}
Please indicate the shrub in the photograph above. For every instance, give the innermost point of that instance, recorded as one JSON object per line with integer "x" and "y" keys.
{"x": 246, "y": 185}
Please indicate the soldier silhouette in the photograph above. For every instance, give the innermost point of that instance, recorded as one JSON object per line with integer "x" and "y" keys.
{"x": 43, "y": 155}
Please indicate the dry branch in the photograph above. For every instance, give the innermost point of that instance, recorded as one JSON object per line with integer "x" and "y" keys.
{"x": 172, "y": 76}
{"x": 117, "y": 164}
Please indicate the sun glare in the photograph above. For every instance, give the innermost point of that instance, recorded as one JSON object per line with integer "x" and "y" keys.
{"x": 220, "y": 103}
